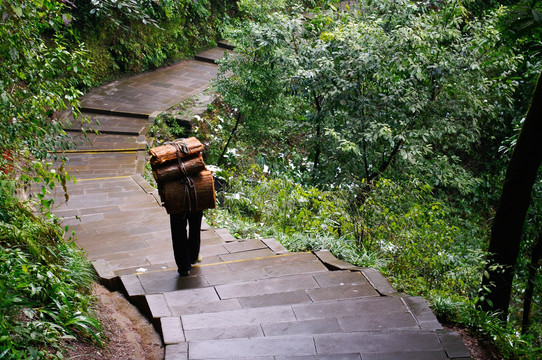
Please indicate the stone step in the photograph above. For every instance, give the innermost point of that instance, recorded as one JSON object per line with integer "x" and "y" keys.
{"x": 206, "y": 274}
{"x": 212, "y": 55}
{"x": 145, "y": 94}
{"x": 93, "y": 143}
{"x": 225, "y": 44}
{"x": 216, "y": 322}
{"x": 375, "y": 345}
{"x": 89, "y": 165}
{"x": 238, "y": 320}
{"x": 350, "y": 314}
{"x": 130, "y": 113}
{"x": 107, "y": 124}
{"x": 308, "y": 289}
{"x": 293, "y": 324}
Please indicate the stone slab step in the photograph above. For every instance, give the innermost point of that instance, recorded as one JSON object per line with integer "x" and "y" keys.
{"x": 138, "y": 249}
{"x": 382, "y": 319}
{"x": 108, "y": 124}
{"x": 153, "y": 91}
{"x": 416, "y": 345}
{"x": 212, "y": 55}
{"x": 210, "y": 275}
{"x": 175, "y": 300}
{"x": 107, "y": 198}
{"x": 270, "y": 293}
{"x": 225, "y": 44}
{"x": 94, "y": 143}
{"x": 233, "y": 274}
{"x": 100, "y": 165}
{"x": 173, "y": 295}
{"x": 251, "y": 333}
{"x": 282, "y": 317}
{"x": 132, "y": 113}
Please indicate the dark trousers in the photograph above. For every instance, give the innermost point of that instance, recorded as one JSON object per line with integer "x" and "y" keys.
{"x": 186, "y": 249}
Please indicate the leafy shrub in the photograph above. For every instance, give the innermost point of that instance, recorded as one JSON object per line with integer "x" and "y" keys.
{"x": 430, "y": 246}
{"x": 41, "y": 74}
{"x": 45, "y": 286}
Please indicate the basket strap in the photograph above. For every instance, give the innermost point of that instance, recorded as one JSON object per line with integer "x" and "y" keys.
{"x": 189, "y": 189}
{"x": 181, "y": 163}
{"x": 180, "y": 144}
{"x": 181, "y": 147}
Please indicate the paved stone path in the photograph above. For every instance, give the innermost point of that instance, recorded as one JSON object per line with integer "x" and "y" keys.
{"x": 248, "y": 299}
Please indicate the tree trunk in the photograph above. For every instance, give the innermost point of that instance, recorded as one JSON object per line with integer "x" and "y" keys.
{"x": 385, "y": 165}
{"x": 510, "y": 216}
{"x": 316, "y": 152}
{"x": 318, "y": 149}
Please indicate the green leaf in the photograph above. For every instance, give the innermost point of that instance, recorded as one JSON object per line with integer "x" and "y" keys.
{"x": 17, "y": 10}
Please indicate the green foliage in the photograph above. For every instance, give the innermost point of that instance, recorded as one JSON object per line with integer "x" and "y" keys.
{"x": 373, "y": 90}
{"x": 252, "y": 9}
{"x": 166, "y": 128}
{"x": 44, "y": 287}
{"x": 295, "y": 207}
{"x": 44, "y": 282}
{"x": 487, "y": 327}
{"x": 429, "y": 246}
{"x": 131, "y": 36}
{"x": 41, "y": 73}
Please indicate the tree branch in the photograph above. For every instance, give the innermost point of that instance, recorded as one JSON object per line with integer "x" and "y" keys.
{"x": 239, "y": 117}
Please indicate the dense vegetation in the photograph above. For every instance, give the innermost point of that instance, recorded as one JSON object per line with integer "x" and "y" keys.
{"x": 51, "y": 52}
{"x": 383, "y": 134}
{"x": 45, "y": 287}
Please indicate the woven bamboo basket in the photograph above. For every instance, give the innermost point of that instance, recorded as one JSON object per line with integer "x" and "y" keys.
{"x": 179, "y": 168}
{"x": 193, "y": 193}
{"x": 179, "y": 148}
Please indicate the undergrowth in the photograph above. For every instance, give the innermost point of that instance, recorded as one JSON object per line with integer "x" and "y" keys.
{"x": 45, "y": 287}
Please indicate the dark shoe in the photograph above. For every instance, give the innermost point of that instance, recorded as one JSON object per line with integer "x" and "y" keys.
{"x": 183, "y": 273}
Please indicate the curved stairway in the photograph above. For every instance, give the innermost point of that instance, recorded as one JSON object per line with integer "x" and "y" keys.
{"x": 248, "y": 299}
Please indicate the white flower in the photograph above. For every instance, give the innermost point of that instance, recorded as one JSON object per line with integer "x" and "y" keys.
{"x": 232, "y": 152}
{"x": 235, "y": 196}
{"x": 213, "y": 168}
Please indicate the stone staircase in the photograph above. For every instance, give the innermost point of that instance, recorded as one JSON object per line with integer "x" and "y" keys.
{"x": 247, "y": 299}
{"x": 252, "y": 299}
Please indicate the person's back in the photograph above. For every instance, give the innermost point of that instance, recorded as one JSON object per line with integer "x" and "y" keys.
{"x": 186, "y": 188}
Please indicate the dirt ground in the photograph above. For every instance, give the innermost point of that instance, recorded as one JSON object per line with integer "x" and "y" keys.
{"x": 478, "y": 350}
{"x": 130, "y": 336}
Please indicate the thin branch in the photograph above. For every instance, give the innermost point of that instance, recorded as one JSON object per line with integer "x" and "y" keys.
{"x": 239, "y": 117}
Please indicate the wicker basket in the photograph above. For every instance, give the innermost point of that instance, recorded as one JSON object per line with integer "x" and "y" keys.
{"x": 179, "y": 148}
{"x": 192, "y": 193}
{"x": 182, "y": 167}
